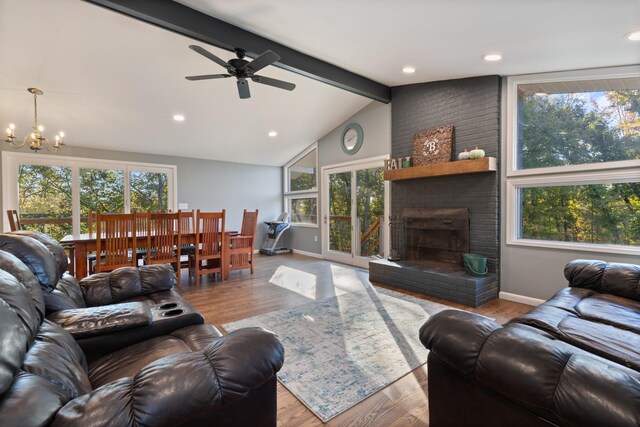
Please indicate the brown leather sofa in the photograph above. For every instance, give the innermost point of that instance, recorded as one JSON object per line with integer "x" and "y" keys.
{"x": 572, "y": 361}
{"x": 190, "y": 376}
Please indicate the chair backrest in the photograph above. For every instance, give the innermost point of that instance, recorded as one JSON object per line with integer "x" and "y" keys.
{"x": 209, "y": 232}
{"x": 187, "y": 225}
{"x": 249, "y": 223}
{"x": 163, "y": 236}
{"x": 118, "y": 248}
{"x": 91, "y": 221}
{"x": 14, "y": 220}
{"x": 142, "y": 219}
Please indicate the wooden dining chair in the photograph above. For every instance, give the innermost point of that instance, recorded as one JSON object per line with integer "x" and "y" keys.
{"x": 163, "y": 240}
{"x": 14, "y": 220}
{"x": 209, "y": 250}
{"x": 119, "y": 246}
{"x": 241, "y": 245}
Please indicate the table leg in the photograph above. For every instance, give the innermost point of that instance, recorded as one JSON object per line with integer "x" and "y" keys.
{"x": 81, "y": 260}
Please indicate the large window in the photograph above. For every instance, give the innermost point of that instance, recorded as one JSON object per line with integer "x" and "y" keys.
{"x": 573, "y": 173}
{"x": 54, "y": 194}
{"x": 301, "y": 188}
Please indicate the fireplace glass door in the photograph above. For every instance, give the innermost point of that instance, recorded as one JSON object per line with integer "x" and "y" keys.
{"x": 354, "y": 213}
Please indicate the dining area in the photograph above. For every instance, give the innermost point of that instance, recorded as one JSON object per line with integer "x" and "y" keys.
{"x": 194, "y": 239}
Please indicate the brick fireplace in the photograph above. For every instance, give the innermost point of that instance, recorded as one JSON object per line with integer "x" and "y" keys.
{"x": 473, "y": 106}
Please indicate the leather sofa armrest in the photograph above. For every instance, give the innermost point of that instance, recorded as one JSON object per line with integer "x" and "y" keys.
{"x": 86, "y": 322}
{"x": 176, "y": 389}
{"x": 548, "y": 377}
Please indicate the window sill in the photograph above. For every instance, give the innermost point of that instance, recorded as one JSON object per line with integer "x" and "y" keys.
{"x": 573, "y": 246}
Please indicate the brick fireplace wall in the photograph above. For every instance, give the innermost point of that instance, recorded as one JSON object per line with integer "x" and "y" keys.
{"x": 472, "y": 105}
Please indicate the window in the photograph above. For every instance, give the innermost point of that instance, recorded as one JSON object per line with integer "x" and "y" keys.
{"x": 55, "y": 194}
{"x": 573, "y": 172}
{"x": 301, "y": 188}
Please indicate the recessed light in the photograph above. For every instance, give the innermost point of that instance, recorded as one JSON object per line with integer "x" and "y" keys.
{"x": 409, "y": 70}
{"x": 634, "y": 35}
{"x": 273, "y": 133}
{"x": 178, "y": 117}
{"x": 540, "y": 94}
{"x": 492, "y": 57}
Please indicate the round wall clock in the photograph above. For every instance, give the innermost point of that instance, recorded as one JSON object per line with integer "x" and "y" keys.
{"x": 351, "y": 139}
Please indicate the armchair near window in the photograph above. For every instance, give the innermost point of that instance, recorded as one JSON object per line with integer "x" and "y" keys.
{"x": 241, "y": 245}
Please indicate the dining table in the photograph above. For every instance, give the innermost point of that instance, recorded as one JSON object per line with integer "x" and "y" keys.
{"x": 86, "y": 243}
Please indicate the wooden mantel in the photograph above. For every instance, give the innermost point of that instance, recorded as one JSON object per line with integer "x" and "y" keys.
{"x": 486, "y": 164}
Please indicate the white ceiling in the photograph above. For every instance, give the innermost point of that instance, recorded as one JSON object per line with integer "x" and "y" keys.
{"x": 113, "y": 82}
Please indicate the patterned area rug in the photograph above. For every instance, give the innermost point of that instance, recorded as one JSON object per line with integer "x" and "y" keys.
{"x": 340, "y": 350}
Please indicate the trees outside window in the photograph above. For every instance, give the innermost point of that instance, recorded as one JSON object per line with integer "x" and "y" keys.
{"x": 45, "y": 192}
{"x": 576, "y": 173}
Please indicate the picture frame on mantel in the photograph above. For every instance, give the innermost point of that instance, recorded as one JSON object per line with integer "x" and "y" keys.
{"x": 433, "y": 145}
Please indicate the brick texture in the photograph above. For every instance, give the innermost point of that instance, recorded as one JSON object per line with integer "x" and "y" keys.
{"x": 472, "y": 105}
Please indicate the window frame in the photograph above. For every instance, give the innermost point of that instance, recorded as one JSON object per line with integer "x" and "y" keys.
{"x": 585, "y": 174}
{"x": 11, "y": 161}
{"x": 301, "y": 194}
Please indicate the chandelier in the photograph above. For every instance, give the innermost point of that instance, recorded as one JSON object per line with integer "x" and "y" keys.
{"x": 36, "y": 139}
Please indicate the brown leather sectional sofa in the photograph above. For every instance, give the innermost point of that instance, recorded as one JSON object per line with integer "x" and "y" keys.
{"x": 572, "y": 361}
{"x": 120, "y": 348}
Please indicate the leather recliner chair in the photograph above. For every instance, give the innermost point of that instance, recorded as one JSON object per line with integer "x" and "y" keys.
{"x": 192, "y": 376}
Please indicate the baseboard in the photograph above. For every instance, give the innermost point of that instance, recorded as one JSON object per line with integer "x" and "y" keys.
{"x": 520, "y": 298}
{"x": 305, "y": 253}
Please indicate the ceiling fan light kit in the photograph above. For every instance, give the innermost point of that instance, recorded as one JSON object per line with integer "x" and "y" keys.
{"x": 36, "y": 138}
{"x": 242, "y": 70}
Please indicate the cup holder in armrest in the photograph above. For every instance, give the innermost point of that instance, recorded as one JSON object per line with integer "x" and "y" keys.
{"x": 168, "y": 305}
{"x": 174, "y": 312}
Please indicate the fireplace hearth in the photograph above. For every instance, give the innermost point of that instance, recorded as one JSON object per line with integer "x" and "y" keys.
{"x": 430, "y": 258}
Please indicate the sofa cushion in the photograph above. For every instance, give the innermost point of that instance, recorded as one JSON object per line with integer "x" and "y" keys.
{"x": 67, "y": 295}
{"x": 34, "y": 255}
{"x": 618, "y": 279}
{"x": 11, "y": 264}
{"x": 16, "y": 332}
{"x": 129, "y": 361}
{"x": 56, "y": 249}
{"x": 126, "y": 283}
{"x": 56, "y": 356}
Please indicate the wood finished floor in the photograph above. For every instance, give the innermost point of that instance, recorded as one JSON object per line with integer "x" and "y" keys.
{"x": 403, "y": 403}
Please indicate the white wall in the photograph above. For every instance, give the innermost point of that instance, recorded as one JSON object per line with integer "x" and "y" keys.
{"x": 375, "y": 120}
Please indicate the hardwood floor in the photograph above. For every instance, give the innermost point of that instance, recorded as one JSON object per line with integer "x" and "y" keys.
{"x": 289, "y": 280}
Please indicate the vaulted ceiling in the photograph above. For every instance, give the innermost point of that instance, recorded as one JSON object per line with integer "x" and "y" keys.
{"x": 113, "y": 82}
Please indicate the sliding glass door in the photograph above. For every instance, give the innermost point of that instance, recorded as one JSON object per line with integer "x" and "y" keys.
{"x": 354, "y": 212}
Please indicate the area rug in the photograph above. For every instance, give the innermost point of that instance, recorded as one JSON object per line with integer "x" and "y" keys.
{"x": 341, "y": 350}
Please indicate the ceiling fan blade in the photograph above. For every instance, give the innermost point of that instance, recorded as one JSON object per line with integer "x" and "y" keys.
{"x": 208, "y": 76}
{"x": 208, "y": 55}
{"x": 267, "y": 58}
{"x": 243, "y": 89}
{"x": 273, "y": 82}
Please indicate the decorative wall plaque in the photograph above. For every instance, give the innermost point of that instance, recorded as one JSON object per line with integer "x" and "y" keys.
{"x": 433, "y": 145}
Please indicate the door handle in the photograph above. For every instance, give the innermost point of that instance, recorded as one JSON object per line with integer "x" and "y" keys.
{"x": 325, "y": 219}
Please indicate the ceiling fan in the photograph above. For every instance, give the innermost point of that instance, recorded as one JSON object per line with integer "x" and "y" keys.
{"x": 242, "y": 70}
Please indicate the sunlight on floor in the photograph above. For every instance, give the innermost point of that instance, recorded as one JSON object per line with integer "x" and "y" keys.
{"x": 346, "y": 280}
{"x": 296, "y": 281}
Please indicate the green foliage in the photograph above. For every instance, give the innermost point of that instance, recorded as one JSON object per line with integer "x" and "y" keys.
{"x": 564, "y": 130}
{"x": 48, "y": 195}
{"x": 149, "y": 191}
{"x": 45, "y": 195}
{"x": 369, "y": 206}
